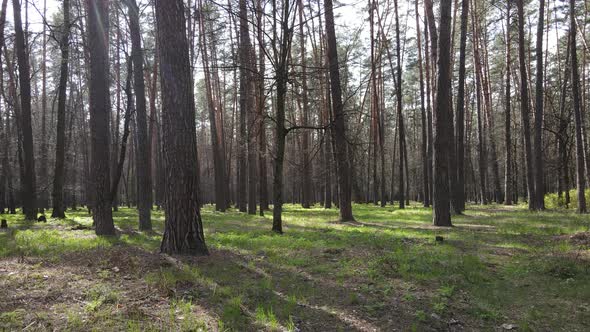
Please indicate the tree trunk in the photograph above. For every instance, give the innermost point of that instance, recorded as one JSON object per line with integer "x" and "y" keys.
{"x": 539, "y": 202}
{"x": 459, "y": 194}
{"x": 339, "y": 125}
{"x": 29, "y": 179}
{"x": 262, "y": 186}
{"x": 400, "y": 117}
{"x": 142, "y": 156}
{"x": 115, "y": 127}
{"x": 43, "y": 169}
{"x": 508, "y": 191}
{"x": 442, "y": 119}
{"x": 524, "y": 106}
{"x": 247, "y": 113}
{"x": 4, "y": 132}
{"x": 118, "y": 172}
{"x": 183, "y": 232}
{"x": 580, "y": 171}
{"x": 307, "y": 196}
{"x": 425, "y": 163}
{"x": 98, "y": 28}
{"x": 58, "y": 180}
{"x": 215, "y": 122}
{"x": 282, "y": 72}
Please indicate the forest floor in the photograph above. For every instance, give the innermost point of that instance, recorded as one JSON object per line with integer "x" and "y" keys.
{"x": 498, "y": 269}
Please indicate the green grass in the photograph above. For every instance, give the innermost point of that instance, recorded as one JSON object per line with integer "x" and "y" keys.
{"x": 497, "y": 265}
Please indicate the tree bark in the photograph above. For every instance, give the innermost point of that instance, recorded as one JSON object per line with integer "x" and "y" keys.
{"x": 183, "y": 232}
{"x": 442, "y": 120}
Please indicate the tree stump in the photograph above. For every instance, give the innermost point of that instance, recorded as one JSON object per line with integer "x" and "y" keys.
{"x": 4, "y": 224}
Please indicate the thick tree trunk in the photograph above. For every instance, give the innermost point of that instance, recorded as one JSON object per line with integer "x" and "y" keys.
{"x": 183, "y": 232}
{"x": 29, "y": 179}
{"x": 442, "y": 119}
{"x": 98, "y": 28}
{"x": 339, "y": 125}
{"x": 58, "y": 180}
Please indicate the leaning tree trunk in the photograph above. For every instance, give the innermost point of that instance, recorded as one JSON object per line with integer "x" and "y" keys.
{"x": 183, "y": 232}
{"x": 580, "y": 171}
{"x": 442, "y": 120}
{"x": 29, "y": 179}
{"x": 58, "y": 180}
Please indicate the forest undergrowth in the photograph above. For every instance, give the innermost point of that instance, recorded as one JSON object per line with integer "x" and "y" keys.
{"x": 497, "y": 268}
